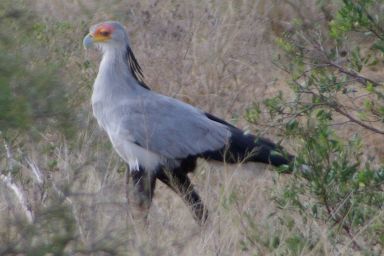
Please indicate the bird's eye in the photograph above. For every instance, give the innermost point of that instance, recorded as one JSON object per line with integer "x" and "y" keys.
{"x": 104, "y": 33}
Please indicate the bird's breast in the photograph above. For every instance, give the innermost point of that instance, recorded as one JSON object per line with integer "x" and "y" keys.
{"x": 109, "y": 117}
{"x": 135, "y": 155}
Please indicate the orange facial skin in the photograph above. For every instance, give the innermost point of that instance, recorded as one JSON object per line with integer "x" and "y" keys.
{"x": 103, "y": 33}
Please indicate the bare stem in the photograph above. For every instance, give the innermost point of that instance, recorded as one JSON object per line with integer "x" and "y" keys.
{"x": 354, "y": 120}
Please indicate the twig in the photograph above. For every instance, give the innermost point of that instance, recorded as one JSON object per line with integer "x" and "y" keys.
{"x": 339, "y": 221}
{"x": 9, "y": 182}
{"x": 35, "y": 170}
{"x": 361, "y": 79}
{"x": 27, "y": 209}
{"x": 75, "y": 213}
{"x": 354, "y": 120}
{"x": 364, "y": 228}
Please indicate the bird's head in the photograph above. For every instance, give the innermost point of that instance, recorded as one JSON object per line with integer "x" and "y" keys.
{"x": 106, "y": 35}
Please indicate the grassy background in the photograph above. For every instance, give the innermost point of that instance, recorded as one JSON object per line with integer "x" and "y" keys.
{"x": 213, "y": 54}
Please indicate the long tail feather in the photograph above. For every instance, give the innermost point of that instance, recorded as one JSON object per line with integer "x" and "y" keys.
{"x": 248, "y": 148}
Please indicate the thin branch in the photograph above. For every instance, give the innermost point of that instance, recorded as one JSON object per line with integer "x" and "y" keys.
{"x": 35, "y": 170}
{"x": 339, "y": 222}
{"x": 361, "y": 79}
{"x": 9, "y": 182}
{"x": 75, "y": 212}
{"x": 354, "y": 120}
{"x": 27, "y": 209}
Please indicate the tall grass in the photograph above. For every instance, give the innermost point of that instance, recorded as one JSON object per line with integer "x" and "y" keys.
{"x": 215, "y": 55}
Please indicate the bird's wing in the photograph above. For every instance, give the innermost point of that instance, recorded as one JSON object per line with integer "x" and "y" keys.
{"x": 169, "y": 127}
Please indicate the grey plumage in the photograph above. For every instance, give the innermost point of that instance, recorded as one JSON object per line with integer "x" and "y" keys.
{"x": 158, "y": 136}
{"x": 164, "y": 126}
{"x": 139, "y": 120}
{"x": 171, "y": 128}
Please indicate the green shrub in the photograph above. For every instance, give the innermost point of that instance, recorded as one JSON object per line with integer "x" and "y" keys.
{"x": 32, "y": 95}
{"x": 343, "y": 190}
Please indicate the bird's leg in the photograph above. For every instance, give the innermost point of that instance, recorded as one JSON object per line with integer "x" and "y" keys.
{"x": 181, "y": 184}
{"x": 140, "y": 192}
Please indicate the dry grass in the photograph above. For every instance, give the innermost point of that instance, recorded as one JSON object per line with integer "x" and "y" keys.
{"x": 213, "y": 54}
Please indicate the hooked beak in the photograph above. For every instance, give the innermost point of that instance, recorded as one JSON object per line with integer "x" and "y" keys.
{"x": 88, "y": 41}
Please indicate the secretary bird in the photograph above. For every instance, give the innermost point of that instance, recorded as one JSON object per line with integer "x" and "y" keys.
{"x": 157, "y": 136}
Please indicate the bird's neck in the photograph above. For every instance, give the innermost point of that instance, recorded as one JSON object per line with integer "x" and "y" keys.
{"x": 114, "y": 80}
{"x": 114, "y": 67}
{"x": 113, "y": 62}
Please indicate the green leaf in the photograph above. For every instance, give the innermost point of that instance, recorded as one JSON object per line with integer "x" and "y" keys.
{"x": 370, "y": 87}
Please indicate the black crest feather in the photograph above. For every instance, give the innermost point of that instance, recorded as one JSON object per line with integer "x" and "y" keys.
{"x": 136, "y": 70}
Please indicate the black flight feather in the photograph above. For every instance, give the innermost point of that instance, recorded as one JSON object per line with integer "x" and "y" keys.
{"x": 247, "y": 147}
